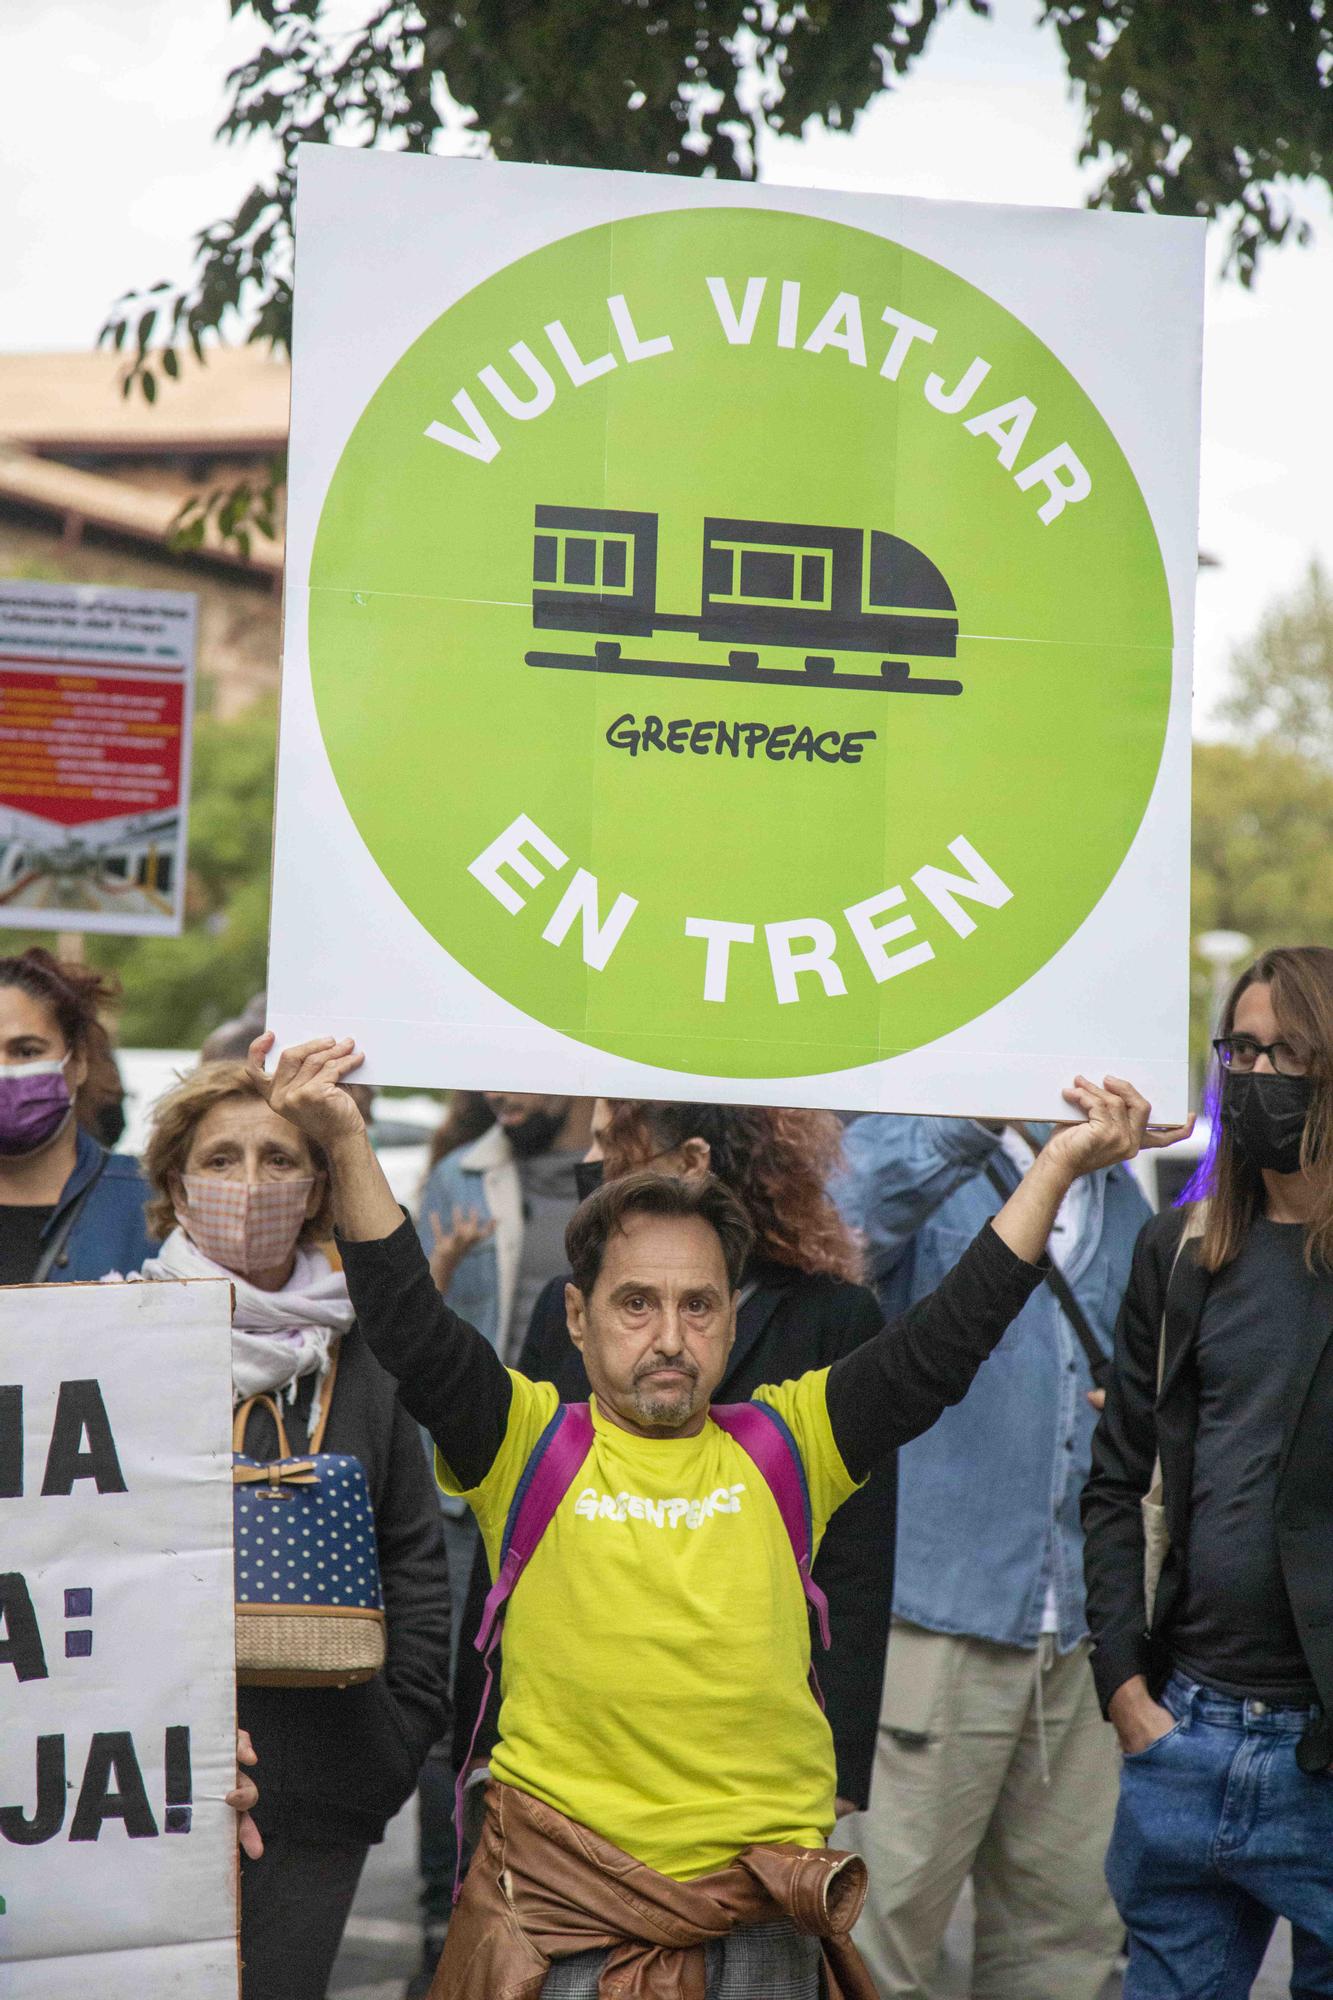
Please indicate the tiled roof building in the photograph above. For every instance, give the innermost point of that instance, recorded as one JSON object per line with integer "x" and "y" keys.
{"x": 91, "y": 482}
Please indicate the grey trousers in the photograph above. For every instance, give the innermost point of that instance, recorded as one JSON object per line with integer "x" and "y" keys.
{"x": 762, "y": 1962}
{"x": 992, "y": 1762}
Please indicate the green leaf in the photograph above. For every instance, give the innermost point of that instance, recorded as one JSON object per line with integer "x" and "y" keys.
{"x": 1193, "y": 107}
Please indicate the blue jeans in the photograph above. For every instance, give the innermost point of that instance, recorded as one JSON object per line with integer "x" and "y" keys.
{"x": 1218, "y": 1833}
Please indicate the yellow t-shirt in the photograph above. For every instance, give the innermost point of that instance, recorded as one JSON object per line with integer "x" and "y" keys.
{"x": 656, "y": 1648}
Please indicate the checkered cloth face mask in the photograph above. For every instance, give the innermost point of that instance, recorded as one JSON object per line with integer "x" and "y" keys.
{"x": 246, "y": 1226}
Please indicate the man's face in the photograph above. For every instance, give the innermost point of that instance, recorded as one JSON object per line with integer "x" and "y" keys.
{"x": 531, "y": 1124}
{"x": 658, "y": 1325}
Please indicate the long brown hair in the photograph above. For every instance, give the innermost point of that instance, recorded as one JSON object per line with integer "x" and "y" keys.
{"x": 777, "y": 1161}
{"x": 1300, "y": 978}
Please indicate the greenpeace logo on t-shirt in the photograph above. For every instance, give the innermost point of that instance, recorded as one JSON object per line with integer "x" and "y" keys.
{"x": 594, "y": 1506}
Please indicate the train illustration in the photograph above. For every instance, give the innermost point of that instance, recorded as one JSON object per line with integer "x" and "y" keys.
{"x": 826, "y": 591}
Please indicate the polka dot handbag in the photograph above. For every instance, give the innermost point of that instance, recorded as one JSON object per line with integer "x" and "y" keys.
{"x": 309, "y": 1608}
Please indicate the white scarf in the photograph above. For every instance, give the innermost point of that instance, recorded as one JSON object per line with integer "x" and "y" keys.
{"x": 276, "y": 1337}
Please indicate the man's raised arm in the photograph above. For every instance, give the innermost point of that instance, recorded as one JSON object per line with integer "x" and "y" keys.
{"x": 895, "y": 1386}
{"x": 449, "y": 1378}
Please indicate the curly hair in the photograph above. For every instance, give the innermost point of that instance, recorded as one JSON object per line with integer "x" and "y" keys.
{"x": 178, "y": 1115}
{"x": 777, "y": 1161}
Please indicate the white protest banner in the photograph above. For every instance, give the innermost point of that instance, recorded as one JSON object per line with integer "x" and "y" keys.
{"x": 96, "y": 706}
{"x": 737, "y": 639}
{"x": 117, "y": 1648}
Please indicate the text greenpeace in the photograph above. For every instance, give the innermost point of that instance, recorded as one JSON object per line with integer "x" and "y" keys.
{"x": 594, "y": 1506}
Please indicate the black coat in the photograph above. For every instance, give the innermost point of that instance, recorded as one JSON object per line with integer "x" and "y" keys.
{"x": 337, "y": 1763}
{"x": 790, "y": 1323}
{"x": 1129, "y": 1434}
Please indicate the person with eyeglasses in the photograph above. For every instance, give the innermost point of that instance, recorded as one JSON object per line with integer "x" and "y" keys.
{"x": 1219, "y": 1678}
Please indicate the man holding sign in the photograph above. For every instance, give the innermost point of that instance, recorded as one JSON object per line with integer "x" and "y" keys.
{"x": 664, "y": 1780}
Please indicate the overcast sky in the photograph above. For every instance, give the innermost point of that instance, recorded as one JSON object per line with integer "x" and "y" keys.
{"x": 108, "y": 166}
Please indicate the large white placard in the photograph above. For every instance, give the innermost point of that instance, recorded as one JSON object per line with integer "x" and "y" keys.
{"x": 737, "y": 639}
{"x": 117, "y": 1647}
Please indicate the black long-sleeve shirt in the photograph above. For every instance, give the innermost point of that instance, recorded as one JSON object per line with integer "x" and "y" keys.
{"x": 886, "y": 1392}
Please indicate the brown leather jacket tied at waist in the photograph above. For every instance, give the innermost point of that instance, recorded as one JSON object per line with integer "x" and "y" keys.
{"x": 542, "y": 1887}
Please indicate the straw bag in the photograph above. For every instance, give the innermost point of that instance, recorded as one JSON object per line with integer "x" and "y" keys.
{"x": 309, "y": 1607}
{"x": 1156, "y": 1539}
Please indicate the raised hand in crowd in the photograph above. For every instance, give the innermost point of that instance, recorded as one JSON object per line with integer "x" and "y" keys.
{"x": 450, "y": 1247}
{"x": 306, "y": 1088}
{"x": 1114, "y": 1128}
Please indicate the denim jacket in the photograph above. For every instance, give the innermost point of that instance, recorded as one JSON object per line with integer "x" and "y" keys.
{"x": 988, "y": 1508}
{"x": 110, "y": 1232}
{"x": 481, "y": 1176}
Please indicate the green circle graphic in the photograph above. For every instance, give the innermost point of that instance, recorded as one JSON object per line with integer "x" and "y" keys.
{"x": 695, "y": 610}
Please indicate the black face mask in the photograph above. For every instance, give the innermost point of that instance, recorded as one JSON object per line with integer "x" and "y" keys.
{"x": 587, "y": 1177}
{"x": 1265, "y": 1116}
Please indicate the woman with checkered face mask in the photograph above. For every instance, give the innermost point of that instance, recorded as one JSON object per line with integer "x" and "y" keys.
{"x": 240, "y": 1193}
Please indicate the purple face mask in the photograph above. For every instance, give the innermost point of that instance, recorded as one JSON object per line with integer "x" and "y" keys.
{"x": 34, "y": 1104}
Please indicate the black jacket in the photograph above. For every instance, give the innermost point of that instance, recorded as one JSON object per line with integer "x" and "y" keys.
{"x": 1132, "y": 1431}
{"x": 337, "y": 1763}
{"x": 789, "y": 1323}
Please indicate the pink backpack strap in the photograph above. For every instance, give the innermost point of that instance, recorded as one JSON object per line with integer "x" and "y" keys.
{"x": 766, "y": 1437}
{"x": 547, "y": 1477}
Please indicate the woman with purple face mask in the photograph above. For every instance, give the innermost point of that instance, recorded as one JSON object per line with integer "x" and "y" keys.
{"x": 69, "y": 1210}
{"x": 238, "y": 1192}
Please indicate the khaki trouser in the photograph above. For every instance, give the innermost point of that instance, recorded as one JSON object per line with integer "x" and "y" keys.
{"x": 992, "y": 1761}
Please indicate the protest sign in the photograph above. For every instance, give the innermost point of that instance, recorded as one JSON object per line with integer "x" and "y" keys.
{"x": 737, "y": 639}
{"x": 96, "y": 700}
{"x": 117, "y": 1649}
